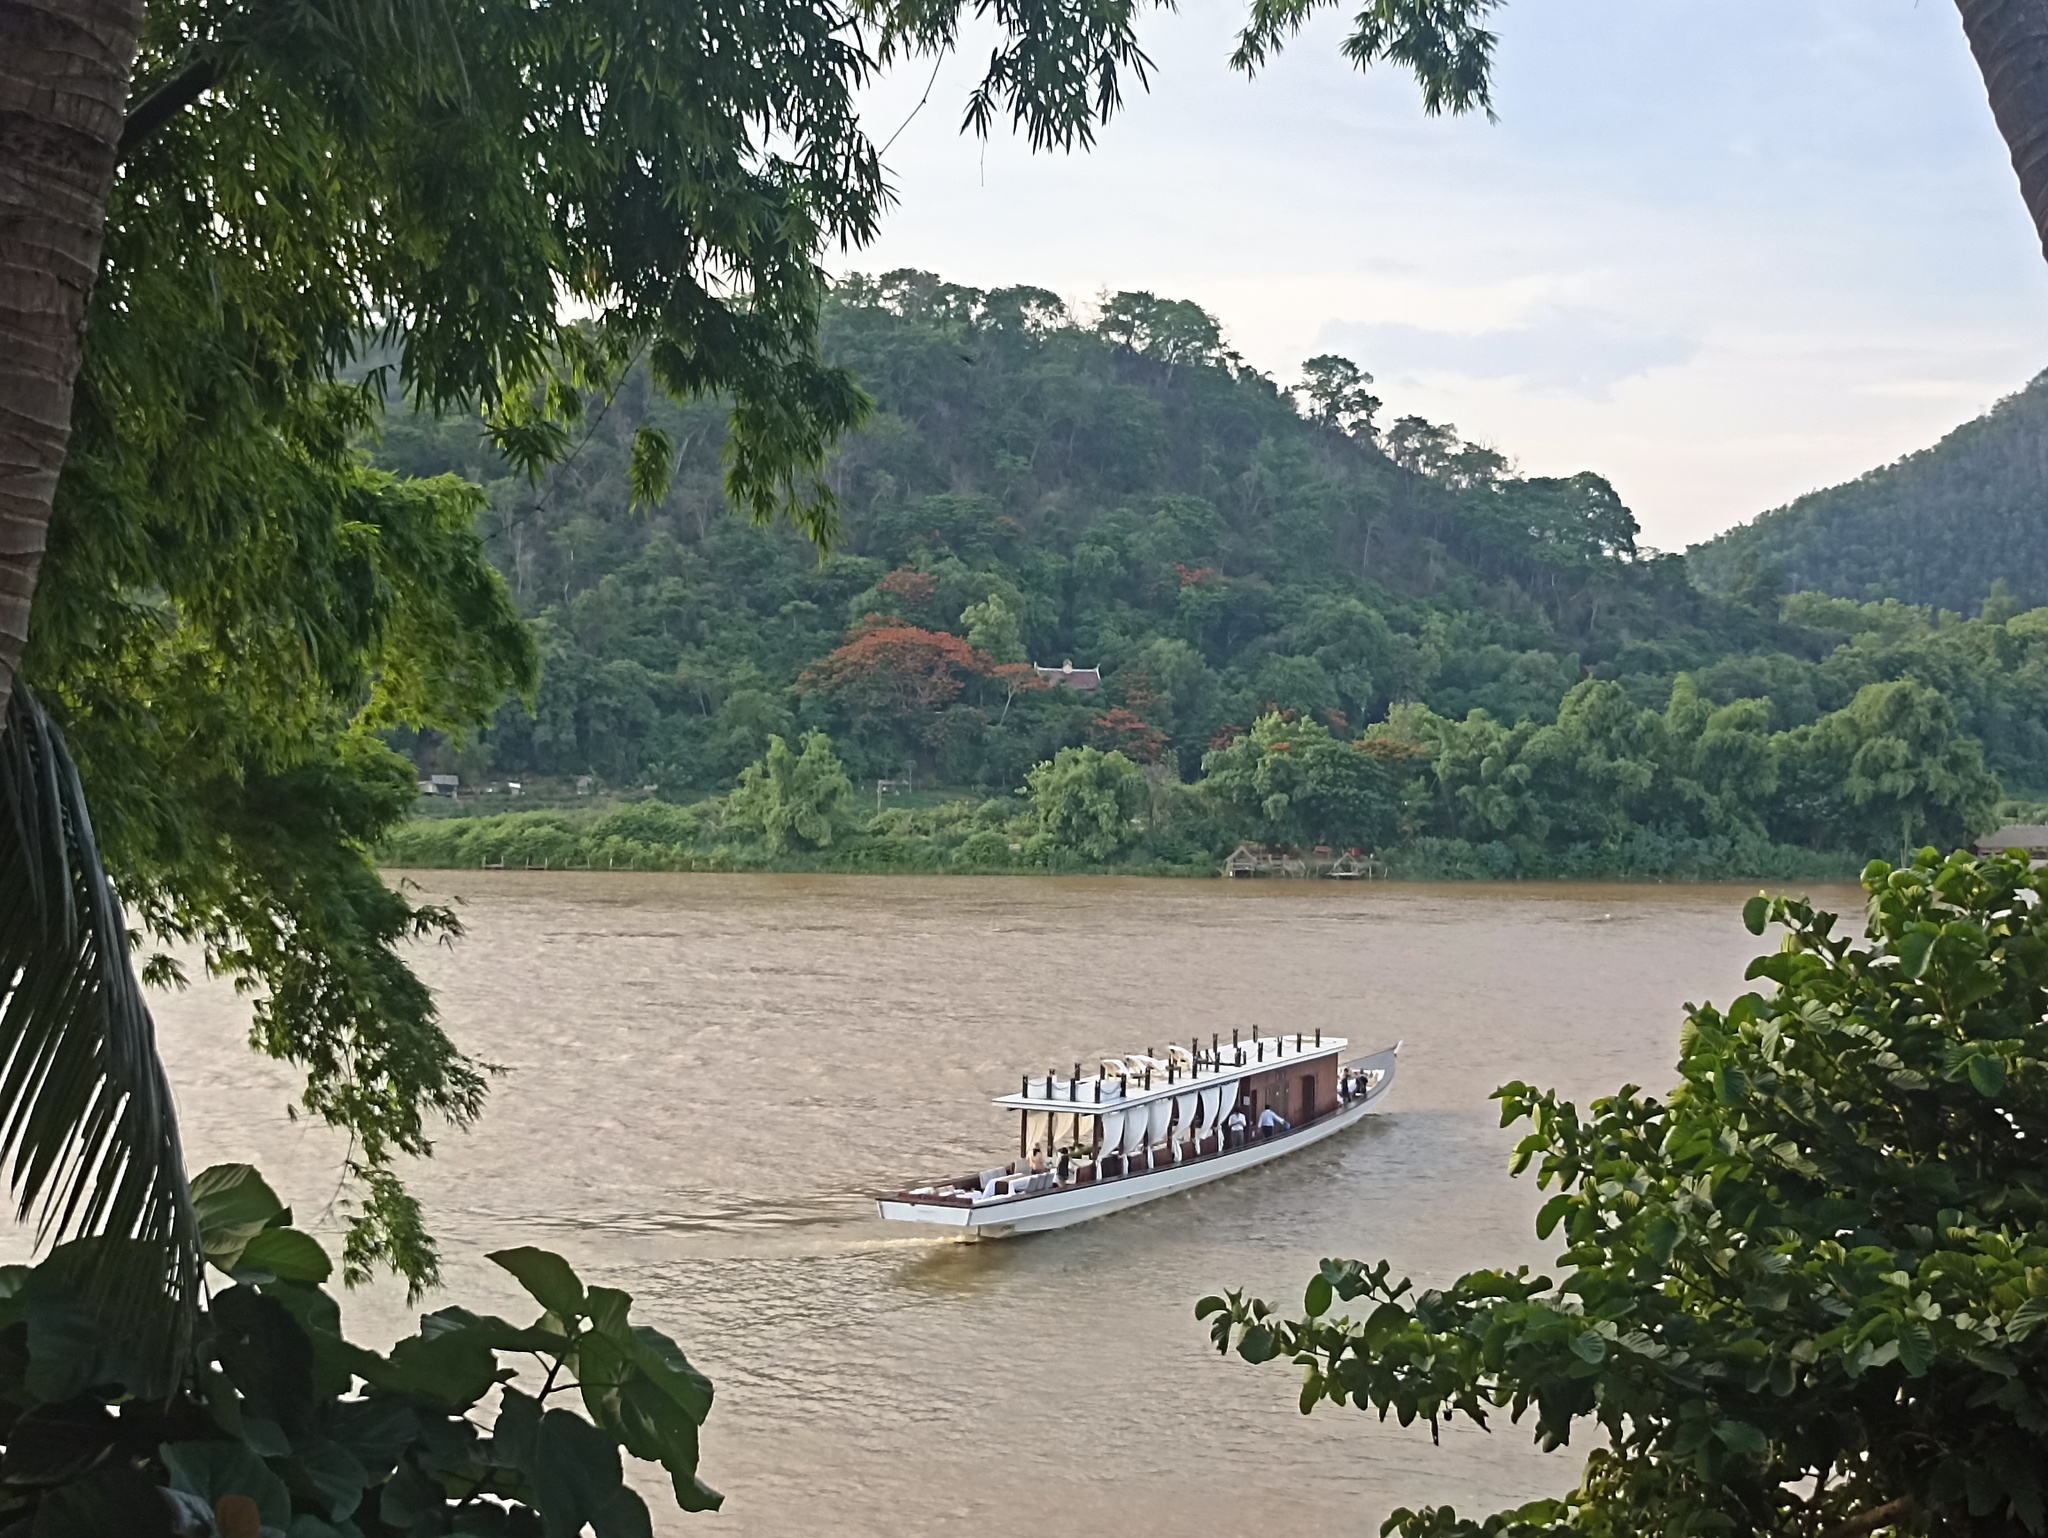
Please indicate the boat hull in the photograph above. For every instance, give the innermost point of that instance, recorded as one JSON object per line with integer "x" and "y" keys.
{"x": 1064, "y": 1206}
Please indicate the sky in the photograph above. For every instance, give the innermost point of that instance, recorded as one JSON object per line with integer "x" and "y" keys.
{"x": 1721, "y": 251}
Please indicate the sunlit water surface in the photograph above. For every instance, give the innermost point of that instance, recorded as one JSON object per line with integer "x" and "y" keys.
{"x": 706, "y": 1077}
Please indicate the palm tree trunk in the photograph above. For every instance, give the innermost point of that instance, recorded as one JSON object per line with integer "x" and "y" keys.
{"x": 64, "y": 67}
{"x": 2010, "y": 41}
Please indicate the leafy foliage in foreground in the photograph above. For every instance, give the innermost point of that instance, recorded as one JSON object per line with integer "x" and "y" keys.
{"x": 88, "y": 1126}
{"x": 1807, "y": 1293}
{"x": 283, "y": 1424}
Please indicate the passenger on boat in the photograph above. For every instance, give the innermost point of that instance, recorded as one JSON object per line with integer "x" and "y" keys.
{"x": 1066, "y": 1166}
{"x": 1037, "y": 1159}
{"x": 1235, "y": 1126}
{"x": 1271, "y": 1121}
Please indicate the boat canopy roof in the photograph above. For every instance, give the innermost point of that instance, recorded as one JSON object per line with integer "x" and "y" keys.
{"x": 1122, "y": 1083}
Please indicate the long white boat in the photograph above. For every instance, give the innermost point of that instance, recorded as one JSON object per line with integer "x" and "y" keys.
{"x": 1145, "y": 1126}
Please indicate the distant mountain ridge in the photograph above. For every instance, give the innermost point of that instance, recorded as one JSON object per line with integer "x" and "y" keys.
{"x": 1936, "y": 527}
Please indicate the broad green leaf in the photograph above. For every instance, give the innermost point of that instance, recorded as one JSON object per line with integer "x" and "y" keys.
{"x": 1741, "y": 1437}
{"x": 1589, "y": 1347}
{"x": 547, "y": 1278}
{"x": 1914, "y": 950}
{"x": 1258, "y": 1344}
{"x": 411, "y": 1500}
{"x": 607, "y": 1308}
{"x": 285, "y": 1255}
{"x": 452, "y": 1369}
{"x": 1987, "y": 1074}
{"x": 1661, "y": 1235}
{"x": 375, "y": 1430}
{"x": 1916, "y": 1348}
{"x": 1756, "y": 913}
{"x": 575, "y": 1472}
{"x": 335, "y": 1472}
{"x": 266, "y": 1355}
{"x": 665, "y": 1366}
{"x": 1386, "y": 1321}
{"x": 2027, "y": 1318}
{"x": 234, "y": 1204}
{"x": 517, "y": 1424}
{"x": 624, "y": 1516}
{"x": 111, "y": 1502}
{"x": 650, "y": 1425}
{"x": 1316, "y": 1300}
{"x": 1552, "y": 1211}
{"x": 336, "y": 1362}
{"x": 210, "y": 1470}
{"x": 695, "y": 1495}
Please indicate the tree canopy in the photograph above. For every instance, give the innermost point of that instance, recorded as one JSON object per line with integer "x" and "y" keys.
{"x": 1804, "y": 1293}
{"x": 1036, "y": 485}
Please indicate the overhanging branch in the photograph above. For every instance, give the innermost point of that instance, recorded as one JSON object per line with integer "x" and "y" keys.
{"x": 147, "y": 117}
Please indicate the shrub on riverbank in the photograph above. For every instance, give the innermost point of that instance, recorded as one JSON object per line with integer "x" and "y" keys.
{"x": 986, "y": 837}
{"x": 1643, "y": 854}
{"x": 1003, "y": 837}
{"x": 1083, "y": 811}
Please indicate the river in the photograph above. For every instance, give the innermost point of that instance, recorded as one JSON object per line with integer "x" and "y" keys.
{"x": 706, "y": 1076}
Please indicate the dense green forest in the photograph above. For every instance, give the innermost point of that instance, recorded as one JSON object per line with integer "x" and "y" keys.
{"x": 1361, "y": 631}
{"x": 1941, "y": 527}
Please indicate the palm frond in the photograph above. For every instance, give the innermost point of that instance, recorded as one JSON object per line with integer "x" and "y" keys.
{"x": 88, "y": 1132}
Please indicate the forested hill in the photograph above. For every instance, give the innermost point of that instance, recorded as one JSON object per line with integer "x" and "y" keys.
{"x": 1132, "y": 494}
{"x": 1938, "y": 527}
{"x": 1123, "y": 493}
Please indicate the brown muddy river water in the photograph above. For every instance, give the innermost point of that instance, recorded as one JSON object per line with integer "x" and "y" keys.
{"x": 707, "y": 1076}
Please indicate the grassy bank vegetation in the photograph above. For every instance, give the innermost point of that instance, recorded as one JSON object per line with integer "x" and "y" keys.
{"x": 1087, "y": 811}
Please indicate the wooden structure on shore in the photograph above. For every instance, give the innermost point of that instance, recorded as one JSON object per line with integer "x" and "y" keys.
{"x": 2029, "y": 838}
{"x": 1249, "y": 860}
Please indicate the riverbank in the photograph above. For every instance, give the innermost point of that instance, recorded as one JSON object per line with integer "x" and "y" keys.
{"x": 999, "y": 837}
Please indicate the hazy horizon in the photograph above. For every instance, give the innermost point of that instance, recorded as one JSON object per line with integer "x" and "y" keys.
{"x": 1723, "y": 254}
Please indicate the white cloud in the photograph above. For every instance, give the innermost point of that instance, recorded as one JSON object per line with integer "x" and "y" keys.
{"x": 1723, "y": 251}
{"x": 1577, "y": 352}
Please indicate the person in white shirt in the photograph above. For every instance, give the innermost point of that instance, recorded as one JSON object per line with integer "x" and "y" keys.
{"x": 1235, "y": 1127}
{"x": 1271, "y": 1121}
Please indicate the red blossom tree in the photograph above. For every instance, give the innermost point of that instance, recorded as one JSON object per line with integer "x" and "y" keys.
{"x": 888, "y": 665}
{"x": 908, "y": 587}
{"x": 1122, "y": 731}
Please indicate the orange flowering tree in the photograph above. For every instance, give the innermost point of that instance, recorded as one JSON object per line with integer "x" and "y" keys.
{"x": 1126, "y": 732}
{"x": 893, "y": 667}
